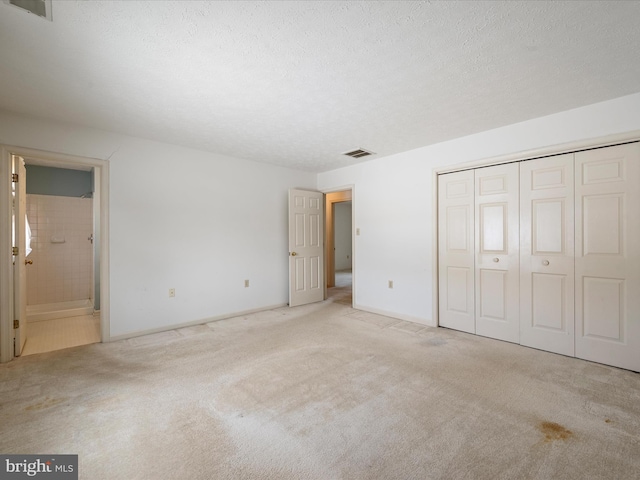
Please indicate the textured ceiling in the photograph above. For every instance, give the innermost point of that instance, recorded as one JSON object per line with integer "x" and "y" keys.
{"x": 298, "y": 83}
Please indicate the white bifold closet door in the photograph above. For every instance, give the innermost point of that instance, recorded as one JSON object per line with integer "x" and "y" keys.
{"x": 547, "y": 254}
{"x": 497, "y": 252}
{"x": 478, "y": 251}
{"x": 607, "y": 272}
{"x": 456, "y": 295}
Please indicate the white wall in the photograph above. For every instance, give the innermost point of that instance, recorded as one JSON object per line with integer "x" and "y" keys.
{"x": 342, "y": 235}
{"x": 180, "y": 218}
{"x": 393, "y": 200}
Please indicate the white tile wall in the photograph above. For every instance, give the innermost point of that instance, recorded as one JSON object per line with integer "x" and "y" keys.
{"x": 60, "y": 272}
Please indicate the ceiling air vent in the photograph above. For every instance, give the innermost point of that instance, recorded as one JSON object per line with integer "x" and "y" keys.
{"x": 359, "y": 153}
{"x": 41, "y": 8}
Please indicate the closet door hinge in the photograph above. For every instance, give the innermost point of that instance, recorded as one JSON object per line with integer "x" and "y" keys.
{"x": 16, "y": 324}
{"x": 14, "y": 177}
{"x": 15, "y": 250}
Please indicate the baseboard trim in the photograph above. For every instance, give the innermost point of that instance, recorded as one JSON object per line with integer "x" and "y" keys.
{"x": 192, "y": 323}
{"x": 399, "y": 316}
{"x": 52, "y": 311}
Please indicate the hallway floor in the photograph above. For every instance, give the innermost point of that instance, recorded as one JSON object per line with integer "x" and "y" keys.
{"x": 50, "y": 335}
{"x": 343, "y": 291}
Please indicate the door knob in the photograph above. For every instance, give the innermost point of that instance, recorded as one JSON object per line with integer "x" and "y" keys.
{"x": 496, "y": 259}
{"x": 545, "y": 262}
{"x": 28, "y": 262}
{"x": 293, "y": 254}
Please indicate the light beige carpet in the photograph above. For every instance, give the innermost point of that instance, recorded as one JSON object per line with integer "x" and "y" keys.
{"x": 322, "y": 392}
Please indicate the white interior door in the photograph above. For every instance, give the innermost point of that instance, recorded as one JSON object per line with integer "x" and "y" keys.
{"x": 456, "y": 251}
{"x": 497, "y": 252}
{"x": 547, "y": 254}
{"x": 20, "y": 242}
{"x": 306, "y": 247}
{"x": 607, "y": 184}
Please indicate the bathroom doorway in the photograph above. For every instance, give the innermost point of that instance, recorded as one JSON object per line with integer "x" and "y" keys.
{"x": 95, "y": 312}
{"x": 9, "y": 315}
{"x": 61, "y": 303}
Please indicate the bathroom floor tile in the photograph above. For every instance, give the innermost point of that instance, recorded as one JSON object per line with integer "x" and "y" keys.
{"x": 50, "y": 335}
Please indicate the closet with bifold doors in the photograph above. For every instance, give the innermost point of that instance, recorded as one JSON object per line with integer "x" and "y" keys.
{"x": 545, "y": 252}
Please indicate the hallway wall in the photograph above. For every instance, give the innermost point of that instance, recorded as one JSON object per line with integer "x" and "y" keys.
{"x": 342, "y": 219}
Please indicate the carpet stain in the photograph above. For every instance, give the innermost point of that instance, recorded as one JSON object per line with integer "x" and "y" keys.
{"x": 46, "y": 403}
{"x": 606, "y": 420}
{"x": 554, "y": 431}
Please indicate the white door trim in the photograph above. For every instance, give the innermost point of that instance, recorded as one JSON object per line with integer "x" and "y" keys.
{"x": 6, "y": 282}
{"x": 558, "y": 149}
{"x": 6, "y": 261}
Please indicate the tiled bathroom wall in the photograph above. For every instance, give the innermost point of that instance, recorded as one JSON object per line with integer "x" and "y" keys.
{"x": 62, "y": 253}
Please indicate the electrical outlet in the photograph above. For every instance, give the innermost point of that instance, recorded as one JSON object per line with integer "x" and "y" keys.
{"x": 246, "y": 283}
{"x": 357, "y": 231}
{"x": 390, "y": 283}
{"x": 172, "y": 292}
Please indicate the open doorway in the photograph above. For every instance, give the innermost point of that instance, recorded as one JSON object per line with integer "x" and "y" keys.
{"x": 62, "y": 309}
{"x": 68, "y": 257}
{"x": 339, "y": 246}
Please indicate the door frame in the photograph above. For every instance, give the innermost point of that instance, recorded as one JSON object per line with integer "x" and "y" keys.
{"x": 101, "y": 220}
{"x": 558, "y": 149}
{"x": 19, "y": 219}
{"x": 344, "y": 188}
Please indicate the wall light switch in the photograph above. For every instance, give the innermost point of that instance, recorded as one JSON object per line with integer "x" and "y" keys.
{"x": 172, "y": 292}
{"x": 246, "y": 283}
{"x": 357, "y": 231}
{"x": 390, "y": 283}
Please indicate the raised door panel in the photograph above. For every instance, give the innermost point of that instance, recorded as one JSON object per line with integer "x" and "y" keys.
{"x": 496, "y": 244}
{"x": 602, "y": 224}
{"x": 458, "y": 281}
{"x": 549, "y": 305}
{"x": 492, "y": 294}
{"x": 603, "y": 309}
{"x": 455, "y": 251}
{"x": 458, "y": 221}
{"x": 547, "y": 254}
{"x": 608, "y": 255}
{"x": 493, "y": 228}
